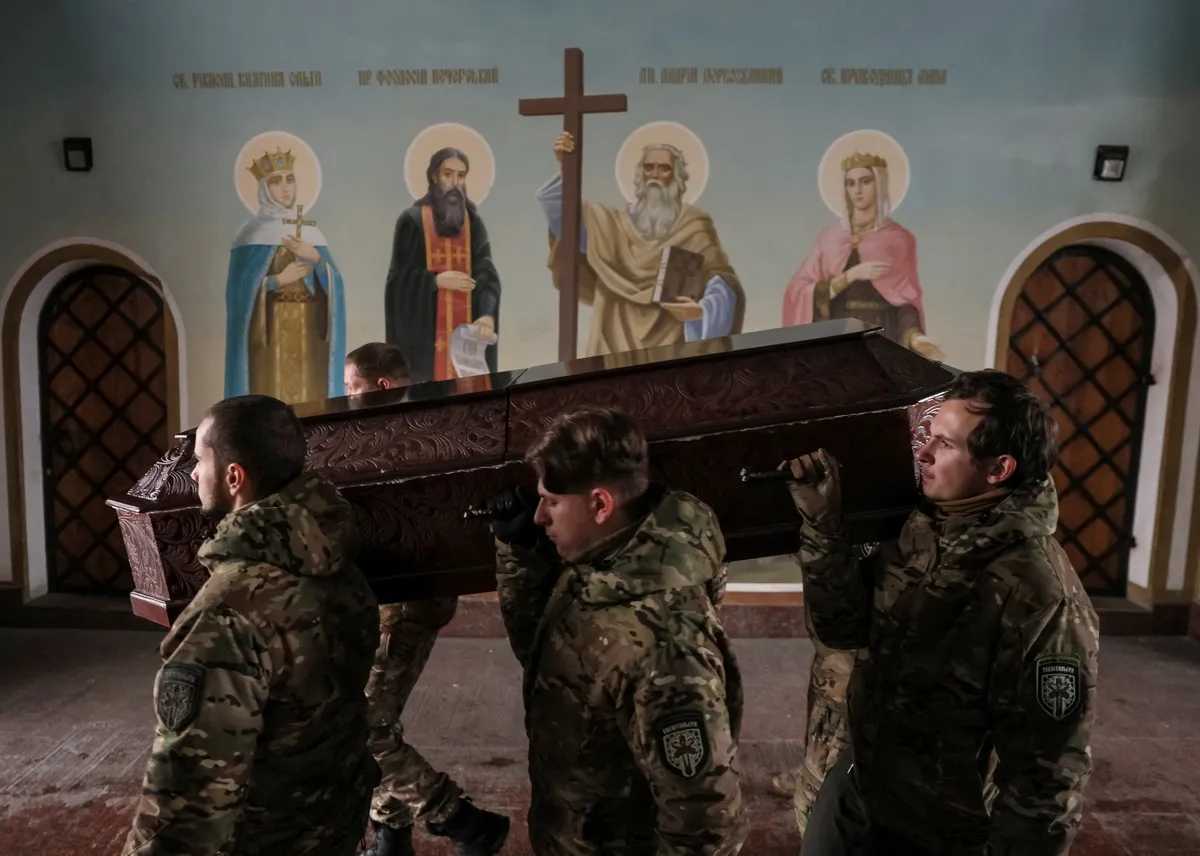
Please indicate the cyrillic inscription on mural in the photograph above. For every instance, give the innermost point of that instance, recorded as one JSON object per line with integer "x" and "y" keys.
{"x": 428, "y": 76}
{"x": 884, "y": 76}
{"x": 693, "y": 74}
{"x": 247, "y": 80}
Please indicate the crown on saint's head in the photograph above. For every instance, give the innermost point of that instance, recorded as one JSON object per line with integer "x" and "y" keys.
{"x": 272, "y": 163}
{"x": 858, "y": 160}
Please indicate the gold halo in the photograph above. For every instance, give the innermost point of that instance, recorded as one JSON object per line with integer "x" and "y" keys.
{"x": 675, "y": 134}
{"x": 306, "y": 166}
{"x": 450, "y": 134}
{"x": 833, "y": 182}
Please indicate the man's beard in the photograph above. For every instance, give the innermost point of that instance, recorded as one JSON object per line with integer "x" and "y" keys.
{"x": 449, "y": 210}
{"x": 656, "y": 210}
{"x": 220, "y": 505}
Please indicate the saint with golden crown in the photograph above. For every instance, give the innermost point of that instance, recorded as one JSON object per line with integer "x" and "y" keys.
{"x": 284, "y": 302}
{"x": 864, "y": 266}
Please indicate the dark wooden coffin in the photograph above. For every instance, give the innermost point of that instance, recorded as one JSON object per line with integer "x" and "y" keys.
{"x": 413, "y": 461}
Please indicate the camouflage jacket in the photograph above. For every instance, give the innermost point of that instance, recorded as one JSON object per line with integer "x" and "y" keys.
{"x": 983, "y": 655}
{"x": 261, "y": 742}
{"x": 630, "y": 683}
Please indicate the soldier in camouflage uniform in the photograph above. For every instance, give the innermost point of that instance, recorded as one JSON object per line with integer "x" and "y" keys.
{"x": 261, "y": 741}
{"x": 411, "y": 788}
{"x": 609, "y": 588}
{"x": 826, "y": 731}
{"x": 971, "y": 718}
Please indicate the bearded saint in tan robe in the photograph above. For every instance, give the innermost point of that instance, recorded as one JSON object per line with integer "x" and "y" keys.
{"x": 619, "y": 269}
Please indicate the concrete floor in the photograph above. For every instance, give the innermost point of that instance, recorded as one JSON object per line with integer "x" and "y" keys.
{"x": 76, "y": 721}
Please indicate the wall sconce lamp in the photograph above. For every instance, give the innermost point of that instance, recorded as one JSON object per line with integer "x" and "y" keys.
{"x": 77, "y": 153}
{"x": 1110, "y": 163}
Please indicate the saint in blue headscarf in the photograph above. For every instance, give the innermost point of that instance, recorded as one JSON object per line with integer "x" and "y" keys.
{"x": 285, "y": 333}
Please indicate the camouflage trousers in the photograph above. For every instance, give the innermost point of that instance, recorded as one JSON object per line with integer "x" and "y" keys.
{"x": 827, "y": 732}
{"x": 841, "y": 825}
{"x": 572, "y": 818}
{"x": 410, "y": 787}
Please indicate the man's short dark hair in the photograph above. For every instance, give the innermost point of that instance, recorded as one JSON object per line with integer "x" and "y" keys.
{"x": 376, "y": 359}
{"x": 263, "y": 435}
{"x": 1015, "y": 422}
{"x": 589, "y": 447}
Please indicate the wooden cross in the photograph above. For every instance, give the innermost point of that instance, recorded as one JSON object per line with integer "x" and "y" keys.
{"x": 299, "y": 221}
{"x": 571, "y": 106}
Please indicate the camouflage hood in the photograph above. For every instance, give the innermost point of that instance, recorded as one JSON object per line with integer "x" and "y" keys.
{"x": 1027, "y": 512}
{"x": 307, "y": 529}
{"x": 677, "y": 545}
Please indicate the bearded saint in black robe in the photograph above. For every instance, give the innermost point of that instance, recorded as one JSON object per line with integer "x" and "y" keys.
{"x": 412, "y": 292}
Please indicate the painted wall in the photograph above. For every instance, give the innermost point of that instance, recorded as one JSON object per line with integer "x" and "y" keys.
{"x": 998, "y": 150}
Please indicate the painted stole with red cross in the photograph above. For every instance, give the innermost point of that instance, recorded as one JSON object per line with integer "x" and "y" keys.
{"x": 453, "y": 307}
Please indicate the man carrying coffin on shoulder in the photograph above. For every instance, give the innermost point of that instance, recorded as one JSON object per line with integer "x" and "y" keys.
{"x": 970, "y": 719}
{"x": 411, "y": 788}
{"x": 609, "y": 588}
{"x": 261, "y": 738}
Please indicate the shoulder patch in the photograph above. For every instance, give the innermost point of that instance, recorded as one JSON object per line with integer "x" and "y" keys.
{"x": 683, "y": 742}
{"x": 180, "y": 689}
{"x": 1057, "y": 684}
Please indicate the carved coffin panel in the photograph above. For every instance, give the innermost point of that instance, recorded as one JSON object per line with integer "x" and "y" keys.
{"x": 445, "y": 436}
{"x": 726, "y": 392}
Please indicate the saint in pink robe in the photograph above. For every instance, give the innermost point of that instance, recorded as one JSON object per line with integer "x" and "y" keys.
{"x": 892, "y": 244}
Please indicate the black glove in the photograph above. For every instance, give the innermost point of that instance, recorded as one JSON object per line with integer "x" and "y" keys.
{"x": 816, "y": 490}
{"x": 512, "y": 517}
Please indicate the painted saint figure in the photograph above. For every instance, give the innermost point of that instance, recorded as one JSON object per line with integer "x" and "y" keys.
{"x": 441, "y": 274}
{"x": 864, "y": 267}
{"x": 285, "y": 332}
{"x": 621, "y": 251}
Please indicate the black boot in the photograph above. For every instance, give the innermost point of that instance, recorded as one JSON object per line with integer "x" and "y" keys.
{"x": 472, "y": 831}
{"x": 390, "y": 841}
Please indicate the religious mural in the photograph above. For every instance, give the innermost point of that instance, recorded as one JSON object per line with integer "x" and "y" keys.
{"x": 865, "y": 265}
{"x": 285, "y": 333}
{"x": 442, "y": 294}
{"x": 653, "y": 271}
